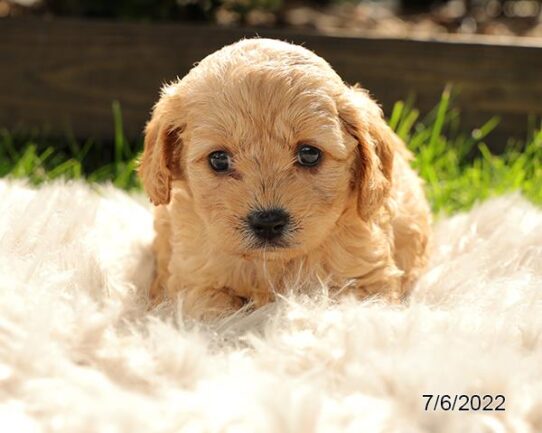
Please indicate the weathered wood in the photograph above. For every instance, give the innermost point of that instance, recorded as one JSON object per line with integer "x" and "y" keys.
{"x": 64, "y": 74}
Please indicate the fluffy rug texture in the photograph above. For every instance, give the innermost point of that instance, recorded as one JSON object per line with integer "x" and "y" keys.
{"x": 80, "y": 352}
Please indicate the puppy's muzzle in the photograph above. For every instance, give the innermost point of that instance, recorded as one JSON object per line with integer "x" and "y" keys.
{"x": 268, "y": 225}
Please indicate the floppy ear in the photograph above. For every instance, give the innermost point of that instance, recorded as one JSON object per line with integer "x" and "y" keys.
{"x": 160, "y": 162}
{"x": 364, "y": 121}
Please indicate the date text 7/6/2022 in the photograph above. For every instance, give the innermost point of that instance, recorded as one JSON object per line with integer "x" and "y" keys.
{"x": 464, "y": 402}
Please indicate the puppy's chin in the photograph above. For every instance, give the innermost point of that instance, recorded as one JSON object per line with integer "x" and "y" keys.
{"x": 274, "y": 253}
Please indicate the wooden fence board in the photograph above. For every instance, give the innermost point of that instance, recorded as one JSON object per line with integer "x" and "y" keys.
{"x": 64, "y": 74}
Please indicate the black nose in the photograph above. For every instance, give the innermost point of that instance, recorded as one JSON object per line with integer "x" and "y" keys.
{"x": 268, "y": 224}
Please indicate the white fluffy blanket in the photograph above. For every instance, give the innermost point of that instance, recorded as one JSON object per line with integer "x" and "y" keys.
{"x": 79, "y": 352}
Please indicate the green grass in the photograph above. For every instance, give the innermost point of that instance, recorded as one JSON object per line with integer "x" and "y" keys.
{"x": 38, "y": 158}
{"x": 459, "y": 169}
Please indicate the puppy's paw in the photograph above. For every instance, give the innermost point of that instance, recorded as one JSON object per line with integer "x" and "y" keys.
{"x": 156, "y": 293}
{"x": 211, "y": 304}
{"x": 388, "y": 289}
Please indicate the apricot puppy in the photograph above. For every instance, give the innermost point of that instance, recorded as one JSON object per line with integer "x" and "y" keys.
{"x": 269, "y": 172}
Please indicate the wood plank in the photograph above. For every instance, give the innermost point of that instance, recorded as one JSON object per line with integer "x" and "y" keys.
{"x": 63, "y": 74}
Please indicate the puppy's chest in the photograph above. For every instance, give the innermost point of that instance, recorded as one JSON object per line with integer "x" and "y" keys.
{"x": 256, "y": 280}
{"x": 243, "y": 277}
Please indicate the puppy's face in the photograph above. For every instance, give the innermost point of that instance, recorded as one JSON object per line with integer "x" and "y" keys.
{"x": 269, "y": 155}
{"x": 269, "y": 171}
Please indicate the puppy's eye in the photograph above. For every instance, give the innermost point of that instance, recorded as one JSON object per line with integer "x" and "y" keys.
{"x": 220, "y": 161}
{"x": 308, "y": 156}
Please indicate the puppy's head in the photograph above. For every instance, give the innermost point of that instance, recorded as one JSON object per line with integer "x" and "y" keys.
{"x": 271, "y": 146}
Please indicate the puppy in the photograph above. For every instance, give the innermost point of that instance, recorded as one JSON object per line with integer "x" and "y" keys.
{"x": 268, "y": 172}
